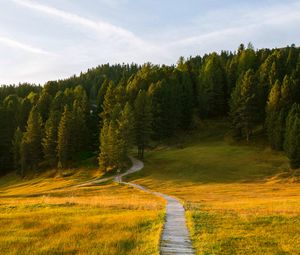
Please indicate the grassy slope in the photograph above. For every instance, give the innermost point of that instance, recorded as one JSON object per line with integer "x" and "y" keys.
{"x": 238, "y": 197}
{"x": 47, "y": 216}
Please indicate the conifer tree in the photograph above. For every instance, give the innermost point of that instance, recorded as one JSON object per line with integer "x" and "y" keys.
{"x": 79, "y": 127}
{"x": 65, "y": 142}
{"x": 273, "y": 118}
{"x": 16, "y": 147}
{"x": 292, "y": 137}
{"x": 212, "y": 89}
{"x": 32, "y": 141}
{"x": 103, "y": 158}
{"x": 126, "y": 123}
{"x": 109, "y": 102}
{"x": 244, "y": 105}
{"x": 50, "y": 138}
{"x": 143, "y": 120}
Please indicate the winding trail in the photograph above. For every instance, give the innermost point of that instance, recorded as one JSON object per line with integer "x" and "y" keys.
{"x": 175, "y": 238}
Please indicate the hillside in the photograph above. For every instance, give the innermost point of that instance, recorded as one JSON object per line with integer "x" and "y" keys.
{"x": 239, "y": 198}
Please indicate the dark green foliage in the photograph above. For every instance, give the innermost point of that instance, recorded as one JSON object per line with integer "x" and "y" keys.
{"x": 31, "y": 151}
{"x": 66, "y": 140}
{"x": 244, "y": 106}
{"x": 6, "y": 136}
{"x": 292, "y": 137}
{"x": 134, "y": 104}
{"x": 212, "y": 88}
{"x": 16, "y": 150}
{"x": 143, "y": 121}
{"x": 50, "y": 138}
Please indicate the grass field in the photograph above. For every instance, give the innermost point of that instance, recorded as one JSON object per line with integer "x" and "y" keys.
{"x": 240, "y": 199}
{"x": 48, "y": 216}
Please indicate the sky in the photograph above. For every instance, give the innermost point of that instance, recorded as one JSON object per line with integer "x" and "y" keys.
{"x": 42, "y": 40}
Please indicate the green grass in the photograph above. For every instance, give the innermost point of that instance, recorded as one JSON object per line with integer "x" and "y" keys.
{"x": 240, "y": 199}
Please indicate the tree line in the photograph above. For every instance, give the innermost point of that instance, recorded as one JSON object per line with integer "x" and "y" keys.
{"x": 111, "y": 108}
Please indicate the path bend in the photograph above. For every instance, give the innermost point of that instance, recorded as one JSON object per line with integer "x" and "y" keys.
{"x": 175, "y": 238}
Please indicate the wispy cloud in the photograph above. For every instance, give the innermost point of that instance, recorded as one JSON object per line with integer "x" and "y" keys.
{"x": 12, "y": 43}
{"x": 246, "y": 26}
{"x": 104, "y": 29}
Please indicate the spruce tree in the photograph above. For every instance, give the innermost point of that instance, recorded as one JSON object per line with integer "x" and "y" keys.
{"x": 65, "y": 141}
{"x": 292, "y": 137}
{"x": 244, "y": 105}
{"x": 79, "y": 127}
{"x": 103, "y": 158}
{"x": 32, "y": 141}
{"x": 50, "y": 138}
{"x": 126, "y": 123}
{"x": 212, "y": 89}
{"x": 273, "y": 118}
{"x": 143, "y": 121}
{"x": 16, "y": 148}
{"x": 109, "y": 102}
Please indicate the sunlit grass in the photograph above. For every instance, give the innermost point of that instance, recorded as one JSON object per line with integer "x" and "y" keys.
{"x": 240, "y": 199}
{"x": 50, "y": 216}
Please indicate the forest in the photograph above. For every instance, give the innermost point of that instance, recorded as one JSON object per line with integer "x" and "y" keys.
{"x": 110, "y": 109}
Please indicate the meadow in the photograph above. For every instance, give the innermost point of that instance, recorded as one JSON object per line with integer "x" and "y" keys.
{"x": 49, "y": 215}
{"x": 240, "y": 198}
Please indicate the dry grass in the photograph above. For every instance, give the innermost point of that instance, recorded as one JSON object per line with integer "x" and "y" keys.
{"x": 240, "y": 199}
{"x": 49, "y": 216}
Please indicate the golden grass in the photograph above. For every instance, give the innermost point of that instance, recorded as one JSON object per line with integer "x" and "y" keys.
{"x": 240, "y": 199}
{"x": 50, "y": 216}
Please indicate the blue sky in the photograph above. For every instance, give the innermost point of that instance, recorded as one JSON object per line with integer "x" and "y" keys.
{"x": 44, "y": 40}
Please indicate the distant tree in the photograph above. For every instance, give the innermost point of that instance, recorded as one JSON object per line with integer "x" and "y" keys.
{"x": 50, "y": 138}
{"x": 6, "y": 136}
{"x": 143, "y": 120}
{"x": 292, "y": 138}
{"x": 103, "y": 158}
{"x": 212, "y": 89}
{"x": 32, "y": 141}
{"x": 273, "y": 119}
{"x": 109, "y": 102}
{"x": 244, "y": 105}
{"x": 126, "y": 123}
{"x": 16, "y": 148}
{"x": 79, "y": 127}
{"x": 65, "y": 142}
{"x": 44, "y": 104}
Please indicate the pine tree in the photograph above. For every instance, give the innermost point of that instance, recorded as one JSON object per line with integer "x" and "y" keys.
{"x": 65, "y": 142}
{"x": 292, "y": 137}
{"x": 244, "y": 105}
{"x": 126, "y": 123}
{"x": 212, "y": 89}
{"x": 6, "y": 135}
{"x": 16, "y": 148}
{"x": 50, "y": 138}
{"x": 32, "y": 141}
{"x": 143, "y": 120}
{"x": 79, "y": 127}
{"x": 109, "y": 102}
{"x": 103, "y": 158}
{"x": 273, "y": 119}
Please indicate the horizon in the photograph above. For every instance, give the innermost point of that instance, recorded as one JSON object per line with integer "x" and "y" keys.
{"x": 80, "y": 36}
